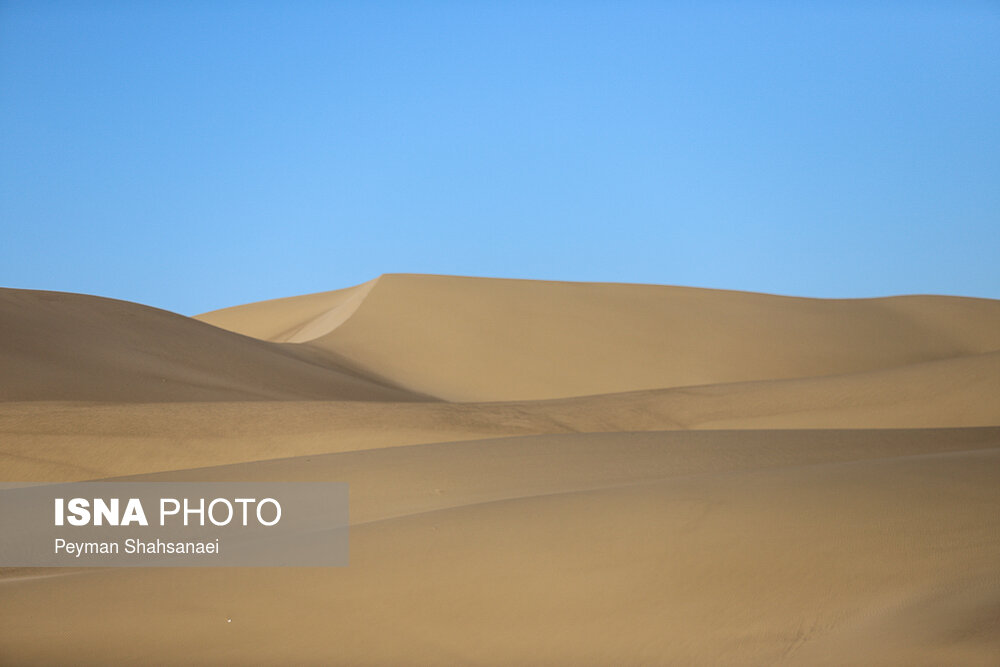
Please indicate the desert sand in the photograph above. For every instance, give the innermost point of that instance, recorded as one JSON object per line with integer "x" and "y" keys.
{"x": 541, "y": 473}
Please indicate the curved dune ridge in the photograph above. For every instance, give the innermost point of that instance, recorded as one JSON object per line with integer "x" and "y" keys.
{"x": 480, "y": 339}
{"x": 540, "y": 472}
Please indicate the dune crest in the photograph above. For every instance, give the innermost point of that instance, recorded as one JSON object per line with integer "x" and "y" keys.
{"x": 295, "y": 319}
{"x": 482, "y": 339}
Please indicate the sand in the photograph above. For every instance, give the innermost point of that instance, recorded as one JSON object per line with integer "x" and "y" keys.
{"x": 541, "y": 473}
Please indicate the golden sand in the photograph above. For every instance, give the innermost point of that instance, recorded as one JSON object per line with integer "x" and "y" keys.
{"x": 541, "y": 474}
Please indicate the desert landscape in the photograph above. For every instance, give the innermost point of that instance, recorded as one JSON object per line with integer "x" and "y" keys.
{"x": 541, "y": 473}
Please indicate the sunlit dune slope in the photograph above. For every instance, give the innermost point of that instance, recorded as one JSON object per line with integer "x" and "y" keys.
{"x": 57, "y": 346}
{"x": 291, "y": 319}
{"x": 480, "y": 339}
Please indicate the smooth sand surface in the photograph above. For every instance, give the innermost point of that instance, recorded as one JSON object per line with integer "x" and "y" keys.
{"x": 541, "y": 474}
{"x": 479, "y": 339}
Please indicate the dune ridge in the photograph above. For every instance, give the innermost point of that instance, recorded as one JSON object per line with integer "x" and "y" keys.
{"x": 540, "y": 473}
{"x": 442, "y": 335}
{"x": 293, "y": 319}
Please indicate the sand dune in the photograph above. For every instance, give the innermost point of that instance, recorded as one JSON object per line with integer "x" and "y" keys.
{"x": 540, "y": 473}
{"x": 477, "y": 339}
{"x": 63, "y": 441}
{"x": 293, "y": 319}
{"x": 59, "y": 346}
{"x": 657, "y": 549}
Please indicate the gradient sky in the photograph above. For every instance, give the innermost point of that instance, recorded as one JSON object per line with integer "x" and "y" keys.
{"x": 194, "y": 155}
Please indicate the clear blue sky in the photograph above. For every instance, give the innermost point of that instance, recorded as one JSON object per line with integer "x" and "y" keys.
{"x": 194, "y": 155}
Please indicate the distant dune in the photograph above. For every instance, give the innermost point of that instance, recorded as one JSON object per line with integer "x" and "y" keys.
{"x": 479, "y": 339}
{"x": 541, "y": 473}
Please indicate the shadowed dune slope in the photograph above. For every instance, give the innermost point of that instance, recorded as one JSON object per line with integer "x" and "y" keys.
{"x": 57, "y": 346}
{"x": 480, "y": 339}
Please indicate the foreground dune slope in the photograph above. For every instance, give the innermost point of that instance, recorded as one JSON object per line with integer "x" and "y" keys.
{"x": 480, "y": 339}
{"x": 675, "y": 548}
{"x": 57, "y": 346}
